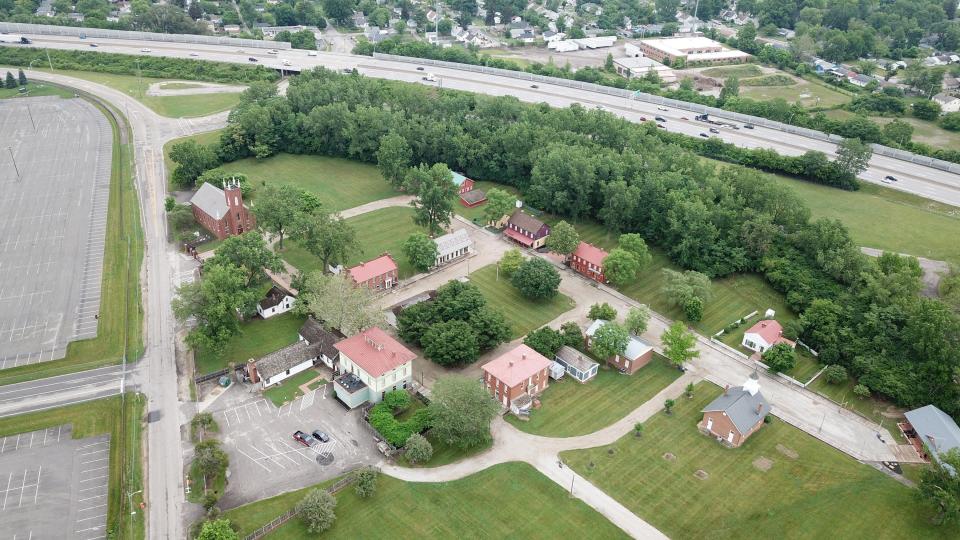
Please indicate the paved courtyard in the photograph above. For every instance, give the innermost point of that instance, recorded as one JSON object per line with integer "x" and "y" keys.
{"x": 53, "y": 486}
{"x": 55, "y": 160}
{"x": 265, "y": 460}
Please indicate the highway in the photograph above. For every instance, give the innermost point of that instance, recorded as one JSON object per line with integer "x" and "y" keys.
{"x": 912, "y": 178}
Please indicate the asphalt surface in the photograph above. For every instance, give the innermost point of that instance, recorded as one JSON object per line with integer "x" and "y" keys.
{"x": 912, "y": 178}
{"x": 62, "y": 390}
{"x": 55, "y": 175}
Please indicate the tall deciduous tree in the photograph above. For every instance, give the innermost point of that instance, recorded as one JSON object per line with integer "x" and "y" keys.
{"x": 510, "y": 262}
{"x": 635, "y": 244}
{"x": 563, "y": 239}
{"x": 461, "y": 411}
{"x": 335, "y": 300}
{"x": 278, "y": 208}
{"x": 214, "y": 302}
{"x": 689, "y": 290}
{"x": 499, "y": 203}
{"x": 602, "y": 311}
{"x": 328, "y": 237}
{"x": 192, "y": 159}
{"x": 536, "y": 279}
{"x": 678, "y": 344}
{"x": 249, "y": 252}
{"x": 610, "y": 340}
{"x": 853, "y": 156}
{"x": 637, "y": 320}
{"x": 780, "y": 358}
{"x": 420, "y": 250}
{"x": 450, "y": 343}
{"x": 545, "y": 341}
{"x": 436, "y": 194}
{"x": 218, "y": 529}
{"x": 393, "y": 158}
{"x": 940, "y": 486}
{"x": 318, "y": 510}
{"x": 621, "y": 267}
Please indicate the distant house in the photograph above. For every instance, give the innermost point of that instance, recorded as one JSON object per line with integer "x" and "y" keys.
{"x": 515, "y": 377}
{"x": 313, "y": 333}
{"x": 278, "y": 365}
{"x": 737, "y": 414}
{"x": 371, "y": 364}
{"x": 359, "y": 20}
{"x": 576, "y": 364}
{"x": 763, "y": 335}
{"x": 380, "y": 273}
{"x": 221, "y": 211}
{"x": 932, "y": 432}
{"x": 637, "y": 354}
{"x": 463, "y": 183}
{"x": 231, "y": 28}
{"x": 947, "y": 103}
{"x": 859, "y": 79}
{"x": 453, "y": 246}
{"x": 473, "y": 198}
{"x": 276, "y": 302}
{"x": 587, "y": 260}
{"x": 526, "y": 230}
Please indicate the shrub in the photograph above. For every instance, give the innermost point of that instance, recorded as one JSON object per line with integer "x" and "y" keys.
{"x": 780, "y": 358}
{"x": 397, "y": 400}
{"x": 365, "y": 481}
{"x": 862, "y": 391}
{"x": 317, "y": 509}
{"x": 835, "y": 374}
{"x": 394, "y": 431}
{"x": 418, "y": 449}
{"x": 602, "y": 311}
{"x": 668, "y": 406}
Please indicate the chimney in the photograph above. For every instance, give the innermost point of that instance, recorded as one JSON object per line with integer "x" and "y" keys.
{"x": 510, "y": 363}
{"x": 759, "y": 408}
{"x": 726, "y": 389}
{"x": 523, "y": 356}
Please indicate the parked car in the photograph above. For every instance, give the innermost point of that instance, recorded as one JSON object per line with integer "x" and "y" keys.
{"x": 304, "y": 438}
{"x": 252, "y": 59}
{"x": 659, "y": 119}
{"x": 889, "y": 179}
{"x": 714, "y": 130}
{"x": 321, "y": 436}
{"x": 419, "y": 68}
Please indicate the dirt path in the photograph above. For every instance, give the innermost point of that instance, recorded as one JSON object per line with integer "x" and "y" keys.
{"x": 157, "y": 90}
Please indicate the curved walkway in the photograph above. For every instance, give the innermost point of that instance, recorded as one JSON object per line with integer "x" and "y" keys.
{"x": 157, "y": 89}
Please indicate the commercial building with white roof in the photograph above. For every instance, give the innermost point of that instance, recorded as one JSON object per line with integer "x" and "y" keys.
{"x": 692, "y": 50}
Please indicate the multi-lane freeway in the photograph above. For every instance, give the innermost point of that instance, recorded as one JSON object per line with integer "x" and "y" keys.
{"x": 913, "y": 178}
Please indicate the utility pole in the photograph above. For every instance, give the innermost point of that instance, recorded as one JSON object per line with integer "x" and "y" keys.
{"x": 14, "y": 160}
{"x": 48, "y": 59}
{"x": 139, "y": 78}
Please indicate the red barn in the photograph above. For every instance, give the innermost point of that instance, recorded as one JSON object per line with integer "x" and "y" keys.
{"x": 221, "y": 211}
{"x": 463, "y": 183}
{"x": 587, "y": 260}
{"x": 380, "y": 273}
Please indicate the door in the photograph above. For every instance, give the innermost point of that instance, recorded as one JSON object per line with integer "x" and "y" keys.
{"x": 709, "y": 424}
{"x": 730, "y": 437}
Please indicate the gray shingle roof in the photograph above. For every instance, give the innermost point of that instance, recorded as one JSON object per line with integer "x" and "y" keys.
{"x": 211, "y": 200}
{"x": 452, "y": 242}
{"x": 935, "y": 428}
{"x": 473, "y": 196}
{"x": 525, "y": 221}
{"x": 285, "y": 358}
{"x": 324, "y": 339}
{"x": 273, "y": 297}
{"x": 575, "y": 358}
{"x": 741, "y": 407}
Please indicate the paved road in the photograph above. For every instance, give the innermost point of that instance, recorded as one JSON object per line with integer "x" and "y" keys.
{"x": 63, "y": 390}
{"x": 920, "y": 180}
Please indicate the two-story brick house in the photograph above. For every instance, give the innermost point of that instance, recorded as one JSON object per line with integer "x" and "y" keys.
{"x": 515, "y": 377}
{"x": 526, "y": 230}
{"x": 380, "y": 273}
{"x": 587, "y": 260}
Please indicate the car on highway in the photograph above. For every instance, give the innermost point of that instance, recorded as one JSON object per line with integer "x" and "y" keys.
{"x": 704, "y": 135}
{"x": 304, "y": 438}
{"x": 145, "y": 50}
{"x": 94, "y": 45}
{"x": 748, "y": 126}
{"x": 285, "y": 62}
{"x": 685, "y": 118}
{"x": 600, "y": 108}
{"x": 889, "y": 179}
{"x": 714, "y": 130}
{"x": 348, "y": 71}
{"x": 321, "y": 436}
{"x": 311, "y": 53}
{"x": 643, "y": 118}
{"x": 194, "y": 54}
{"x": 661, "y": 126}
{"x": 419, "y": 68}
{"x": 534, "y": 86}
{"x": 252, "y": 59}
{"x": 273, "y": 51}
{"x": 662, "y": 108}
{"x": 430, "y": 77}
{"x": 659, "y": 119}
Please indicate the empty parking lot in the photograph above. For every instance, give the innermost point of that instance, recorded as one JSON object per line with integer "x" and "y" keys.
{"x": 53, "y": 486}
{"x": 55, "y": 160}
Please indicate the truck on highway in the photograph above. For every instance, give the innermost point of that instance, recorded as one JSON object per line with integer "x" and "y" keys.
{"x": 15, "y": 38}
{"x": 706, "y": 118}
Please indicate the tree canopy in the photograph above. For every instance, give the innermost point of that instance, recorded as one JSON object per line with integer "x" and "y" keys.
{"x": 536, "y": 279}
{"x": 461, "y": 411}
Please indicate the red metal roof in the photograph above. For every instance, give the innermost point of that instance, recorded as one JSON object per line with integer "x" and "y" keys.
{"x": 518, "y": 236}
{"x": 365, "y": 271}
{"x": 375, "y": 351}
{"x": 771, "y": 332}
{"x": 590, "y": 253}
{"x": 517, "y": 365}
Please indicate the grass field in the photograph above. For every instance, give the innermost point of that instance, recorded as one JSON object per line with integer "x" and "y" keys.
{"x": 379, "y": 231}
{"x": 872, "y": 407}
{"x": 124, "y": 424}
{"x": 289, "y": 389}
{"x": 172, "y": 106}
{"x": 924, "y": 131}
{"x": 121, "y": 314}
{"x": 611, "y": 397}
{"x": 742, "y": 71}
{"x": 179, "y": 86}
{"x": 510, "y": 500}
{"x": 257, "y": 337}
{"x": 813, "y": 94}
{"x": 34, "y": 90}
{"x": 522, "y": 314}
{"x": 339, "y": 183}
{"x": 822, "y": 493}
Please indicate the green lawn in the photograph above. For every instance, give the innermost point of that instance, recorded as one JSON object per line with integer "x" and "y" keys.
{"x": 522, "y": 314}
{"x": 179, "y": 86}
{"x": 172, "y": 106}
{"x": 511, "y": 500}
{"x": 379, "y": 231}
{"x": 339, "y": 183}
{"x": 121, "y": 315}
{"x": 822, "y": 493}
{"x": 444, "y": 454}
{"x": 872, "y": 407}
{"x": 924, "y": 131}
{"x": 34, "y": 90}
{"x": 257, "y": 337}
{"x": 124, "y": 424}
{"x": 741, "y": 71}
{"x": 289, "y": 389}
{"x": 809, "y": 91}
{"x": 206, "y": 138}
{"x": 610, "y": 395}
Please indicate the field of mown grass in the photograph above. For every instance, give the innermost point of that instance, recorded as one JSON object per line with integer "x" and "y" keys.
{"x": 289, "y": 389}
{"x": 257, "y": 337}
{"x": 610, "y": 395}
{"x": 511, "y": 500}
{"x": 33, "y": 89}
{"x": 522, "y": 314}
{"x": 820, "y": 493}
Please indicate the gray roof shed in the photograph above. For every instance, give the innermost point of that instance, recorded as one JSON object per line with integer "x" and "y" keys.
{"x": 281, "y": 360}
{"x": 935, "y": 428}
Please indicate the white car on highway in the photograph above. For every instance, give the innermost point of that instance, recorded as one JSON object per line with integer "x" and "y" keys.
{"x": 285, "y": 62}
{"x": 145, "y": 50}
{"x": 273, "y": 51}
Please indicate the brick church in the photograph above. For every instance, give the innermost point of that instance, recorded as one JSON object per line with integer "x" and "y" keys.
{"x": 221, "y": 211}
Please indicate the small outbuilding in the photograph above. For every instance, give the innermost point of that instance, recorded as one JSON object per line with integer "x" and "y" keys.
{"x": 280, "y": 364}
{"x": 576, "y": 364}
{"x": 932, "y": 432}
{"x": 276, "y": 302}
{"x": 737, "y": 414}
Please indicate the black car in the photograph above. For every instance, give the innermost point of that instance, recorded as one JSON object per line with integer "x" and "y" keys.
{"x": 321, "y": 436}
{"x": 94, "y": 45}
{"x": 889, "y": 179}
{"x": 704, "y": 135}
{"x": 419, "y": 68}
{"x": 748, "y": 126}
{"x": 252, "y": 59}
{"x": 659, "y": 119}
{"x": 534, "y": 86}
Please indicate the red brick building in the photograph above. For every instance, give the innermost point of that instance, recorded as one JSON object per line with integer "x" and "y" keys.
{"x": 380, "y": 273}
{"x": 587, "y": 260}
{"x": 516, "y": 376}
{"x": 221, "y": 211}
{"x": 737, "y": 414}
{"x": 463, "y": 183}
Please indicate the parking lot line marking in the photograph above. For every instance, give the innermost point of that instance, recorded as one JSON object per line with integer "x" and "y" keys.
{"x": 270, "y": 457}
{"x": 89, "y": 488}
{"x": 7, "y": 492}
{"x": 97, "y": 469}
{"x": 36, "y": 491}
{"x": 94, "y": 478}
{"x": 22, "y": 486}
{"x": 94, "y": 497}
{"x": 94, "y": 460}
{"x": 251, "y": 458}
{"x": 92, "y": 508}
{"x": 90, "y": 529}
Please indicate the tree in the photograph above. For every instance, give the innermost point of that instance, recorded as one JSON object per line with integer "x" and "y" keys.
{"x": 835, "y": 374}
{"x": 779, "y": 358}
{"x": 572, "y": 336}
{"x": 536, "y": 279}
{"x": 365, "y": 481}
{"x": 10, "y": 82}
{"x": 610, "y": 340}
{"x": 950, "y": 121}
{"x": 214, "y": 303}
{"x": 328, "y": 237}
{"x": 621, "y": 267}
{"x": 602, "y": 311}
{"x": 898, "y": 131}
{"x": 250, "y": 252}
{"x": 209, "y": 459}
{"x": 499, "y": 203}
{"x": 678, "y": 344}
{"x": 218, "y": 529}
{"x": 853, "y": 156}
{"x": 195, "y": 11}
{"x": 940, "y": 486}
{"x": 510, "y": 262}
{"x": 418, "y": 449}
{"x": 861, "y": 390}
{"x": 278, "y": 208}
{"x": 688, "y": 391}
{"x": 421, "y": 251}
{"x": 545, "y": 341}
{"x": 169, "y": 203}
{"x": 435, "y": 198}
{"x": 192, "y": 159}
{"x": 668, "y": 406}
{"x": 21, "y": 78}
{"x": 689, "y": 290}
{"x": 638, "y": 429}
{"x": 450, "y": 343}
{"x": 317, "y": 509}
{"x": 335, "y": 300}
{"x": 637, "y": 319}
{"x": 563, "y": 239}
{"x": 338, "y": 10}
{"x": 731, "y": 88}
{"x": 461, "y": 410}
{"x": 747, "y": 38}
{"x": 393, "y": 158}
{"x": 926, "y": 110}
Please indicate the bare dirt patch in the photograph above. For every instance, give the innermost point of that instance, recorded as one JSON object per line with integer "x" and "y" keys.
{"x": 701, "y": 474}
{"x": 669, "y": 457}
{"x": 789, "y": 452}
{"x": 763, "y": 464}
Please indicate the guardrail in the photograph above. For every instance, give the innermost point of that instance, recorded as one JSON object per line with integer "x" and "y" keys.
{"x": 103, "y": 33}
{"x": 878, "y": 149}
